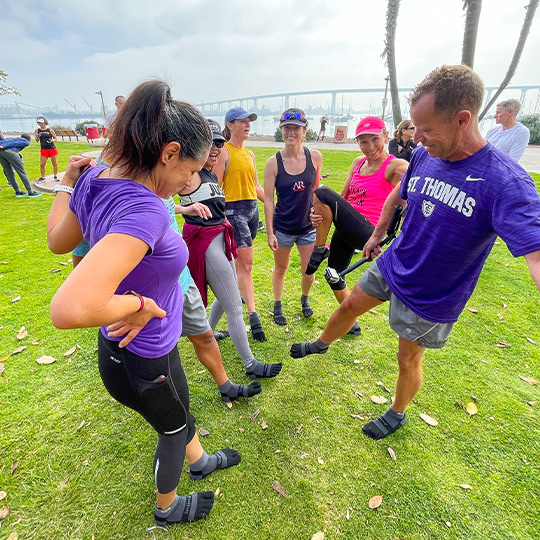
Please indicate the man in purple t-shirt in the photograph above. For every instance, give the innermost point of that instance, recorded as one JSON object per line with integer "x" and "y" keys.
{"x": 461, "y": 193}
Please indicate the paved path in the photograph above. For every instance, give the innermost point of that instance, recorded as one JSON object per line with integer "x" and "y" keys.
{"x": 49, "y": 183}
{"x": 530, "y": 160}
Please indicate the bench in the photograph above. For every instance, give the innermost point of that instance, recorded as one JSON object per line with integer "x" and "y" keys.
{"x": 68, "y": 133}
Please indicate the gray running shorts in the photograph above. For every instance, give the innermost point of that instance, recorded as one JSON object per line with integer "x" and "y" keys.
{"x": 244, "y": 217}
{"x": 194, "y": 319}
{"x": 402, "y": 320}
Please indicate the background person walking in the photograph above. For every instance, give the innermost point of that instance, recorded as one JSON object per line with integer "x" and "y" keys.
{"x": 46, "y": 137}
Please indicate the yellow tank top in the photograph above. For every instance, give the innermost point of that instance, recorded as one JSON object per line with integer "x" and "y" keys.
{"x": 239, "y": 179}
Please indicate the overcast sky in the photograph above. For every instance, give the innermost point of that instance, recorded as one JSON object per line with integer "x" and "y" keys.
{"x": 210, "y": 50}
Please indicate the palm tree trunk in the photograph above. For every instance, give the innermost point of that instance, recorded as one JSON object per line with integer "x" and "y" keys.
{"x": 473, "y": 8}
{"x": 392, "y": 12}
{"x": 529, "y": 15}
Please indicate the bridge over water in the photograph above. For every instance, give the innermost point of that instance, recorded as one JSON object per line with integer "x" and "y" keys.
{"x": 253, "y": 103}
{"x": 256, "y": 103}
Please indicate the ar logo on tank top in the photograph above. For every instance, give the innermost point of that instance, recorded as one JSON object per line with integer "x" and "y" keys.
{"x": 299, "y": 186}
{"x": 427, "y": 208}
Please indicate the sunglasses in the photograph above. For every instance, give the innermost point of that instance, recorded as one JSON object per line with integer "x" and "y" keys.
{"x": 292, "y": 116}
{"x": 412, "y": 128}
{"x": 219, "y": 144}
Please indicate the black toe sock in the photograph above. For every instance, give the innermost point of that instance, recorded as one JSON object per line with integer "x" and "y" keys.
{"x": 206, "y": 464}
{"x": 221, "y": 334}
{"x": 279, "y": 318}
{"x": 306, "y": 308}
{"x": 258, "y": 369}
{"x": 299, "y": 350}
{"x": 317, "y": 257}
{"x": 355, "y": 330}
{"x": 185, "y": 509}
{"x": 231, "y": 391}
{"x": 385, "y": 425}
{"x": 256, "y": 327}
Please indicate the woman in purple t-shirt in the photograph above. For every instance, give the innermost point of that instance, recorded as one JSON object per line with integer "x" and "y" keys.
{"x": 128, "y": 282}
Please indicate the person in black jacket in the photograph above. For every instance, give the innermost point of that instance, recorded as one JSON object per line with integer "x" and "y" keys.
{"x": 402, "y": 144}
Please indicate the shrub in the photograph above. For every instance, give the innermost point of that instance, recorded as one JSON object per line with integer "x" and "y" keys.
{"x": 79, "y": 127}
{"x": 278, "y": 137}
{"x": 311, "y": 135}
{"x": 57, "y": 127}
{"x": 532, "y": 121}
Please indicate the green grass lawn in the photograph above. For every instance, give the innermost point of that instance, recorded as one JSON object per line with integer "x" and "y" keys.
{"x": 76, "y": 465}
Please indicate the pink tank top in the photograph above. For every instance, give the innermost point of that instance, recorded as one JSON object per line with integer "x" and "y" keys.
{"x": 367, "y": 194}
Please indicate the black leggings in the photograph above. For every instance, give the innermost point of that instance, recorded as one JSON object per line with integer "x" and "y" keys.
{"x": 157, "y": 389}
{"x": 352, "y": 229}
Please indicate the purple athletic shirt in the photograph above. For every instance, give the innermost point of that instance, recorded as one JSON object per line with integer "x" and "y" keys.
{"x": 110, "y": 205}
{"x": 455, "y": 211}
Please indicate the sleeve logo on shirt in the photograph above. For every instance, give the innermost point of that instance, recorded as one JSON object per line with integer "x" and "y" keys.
{"x": 427, "y": 208}
{"x": 299, "y": 186}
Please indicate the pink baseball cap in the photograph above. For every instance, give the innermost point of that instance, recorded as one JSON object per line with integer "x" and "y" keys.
{"x": 370, "y": 125}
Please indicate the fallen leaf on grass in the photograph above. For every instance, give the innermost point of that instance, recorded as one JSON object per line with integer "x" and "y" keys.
{"x": 465, "y": 486}
{"x": 201, "y": 371}
{"x": 359, "y": 395}
{"x": 22, "y": 333}
{"x": 217, "y": 492}
{"x": 13, "y": 536}
{"x": 320, "y": 461}
{"x": 472, "y": 310}
{"x": 56, "y": 270}
{"x": 2, "y": 368}
{"x": 358, "y": 417}
{"x": 19, "y": 349}
{"x": 14, "y": 465}
{"x": 4, "y": 511}
{"x": 502, "y": 345}
{"x": 254, "y": 415}
{"x": 203, "y": 432}
{"x": 392, "y": 453}
{"x": 3, "y": 495}
{"x": 62, "y": 263}
{"x": 318, "y": 536}
{"x": 529, "y": 380}
{"x": 299, "y": 429}
{"x": 531, "y": 403}
{"x": 489, "y": 330}
{"x": 46, "y": 360}
{"x": 229, "y": 404}
{"x": 36, "y": 341}
{"x": 16, "y": 299}
{"x": 448, "y": 524}
{"x": 85, "y": 463}
{"x": 384, "y": 387}
{"x": 280, "y": 489}
{"x": 264, "y": 425}
{"x": 80, "y": 425}
{"x": 374, "y": 312}
{"x": 70, "y": 351}
{"x": 5, "y": 358}
{"x": 379, "y": 400}
{"x": 429, "y": 420}
{"x": 375, "y": 502}
{"x": 531, "y": 341}
{"x": 472, "y": 409}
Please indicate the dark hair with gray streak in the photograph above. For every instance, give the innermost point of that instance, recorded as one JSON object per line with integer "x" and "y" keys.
{"x": 149, "y": 120}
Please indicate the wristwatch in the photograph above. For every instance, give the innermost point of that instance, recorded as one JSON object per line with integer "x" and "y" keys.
{"x": 60, "y": 187}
